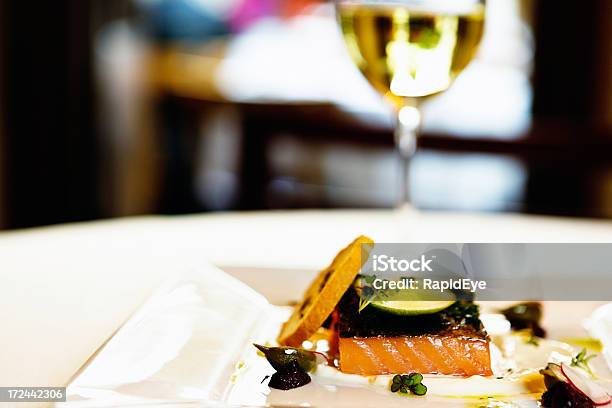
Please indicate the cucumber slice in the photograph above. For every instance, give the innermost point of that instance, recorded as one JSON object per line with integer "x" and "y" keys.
{"x": 412, "y": 307}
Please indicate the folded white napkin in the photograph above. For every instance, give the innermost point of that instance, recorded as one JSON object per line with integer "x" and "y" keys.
{"x": 181, "y": 345}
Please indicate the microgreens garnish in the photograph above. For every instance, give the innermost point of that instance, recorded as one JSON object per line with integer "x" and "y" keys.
{"x": 365, "y": 290}
{"x": 364, "y": 285}
{"x": 408, "y": 383}
{"x": 581, "y": 360}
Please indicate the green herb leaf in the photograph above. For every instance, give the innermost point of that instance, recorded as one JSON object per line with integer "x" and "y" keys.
{"x": 581, "y": 360}
{"x": 406, "y": 380}
{"x": 416, "y": 378}
{"x": 407, "y": 383}
{"x": 363, "y": 303}
{"x": 369, "y": 279}
{"x": 419, "y": 389}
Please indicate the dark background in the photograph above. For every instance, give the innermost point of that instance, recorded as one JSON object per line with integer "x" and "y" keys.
{"x": 52, "y": 162}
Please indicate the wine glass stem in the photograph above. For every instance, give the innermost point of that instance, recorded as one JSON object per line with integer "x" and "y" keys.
{"x": 406, "y": 133}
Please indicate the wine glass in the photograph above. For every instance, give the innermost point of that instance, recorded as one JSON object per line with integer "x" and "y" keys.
{"x": 409, "y": 50}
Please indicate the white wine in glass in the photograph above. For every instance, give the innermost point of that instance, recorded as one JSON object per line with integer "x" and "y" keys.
{"x": 408, "y": 50}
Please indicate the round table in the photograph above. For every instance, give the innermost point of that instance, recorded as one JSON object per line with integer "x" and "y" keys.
{"x": 64, "y": 290}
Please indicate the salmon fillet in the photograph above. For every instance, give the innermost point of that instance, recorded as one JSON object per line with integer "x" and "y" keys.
{"x": 371, "y": 342}
{"x": 423, "y": 354}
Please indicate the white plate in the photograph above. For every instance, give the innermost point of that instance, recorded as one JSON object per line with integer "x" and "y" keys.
{"x": 190, "y": 345}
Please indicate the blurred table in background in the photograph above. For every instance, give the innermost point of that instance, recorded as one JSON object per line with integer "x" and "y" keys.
{"x": 278, "y": 117}
{"x": 326, "y": 153}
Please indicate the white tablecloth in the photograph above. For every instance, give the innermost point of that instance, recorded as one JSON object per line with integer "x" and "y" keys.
{"x": 64, "y": 290}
